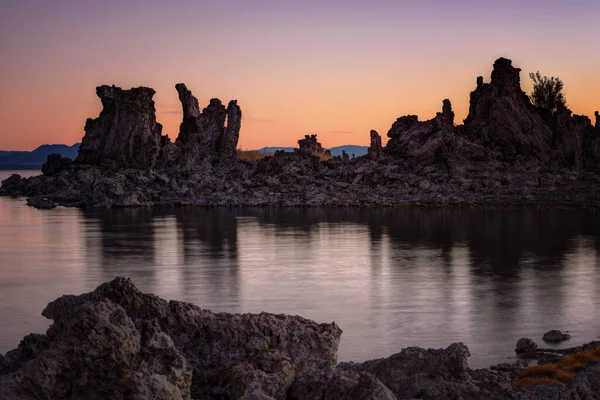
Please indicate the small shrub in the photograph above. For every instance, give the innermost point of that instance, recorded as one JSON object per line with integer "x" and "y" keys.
{"x": 251, "y": 155}
{"x": 560, "y": 371}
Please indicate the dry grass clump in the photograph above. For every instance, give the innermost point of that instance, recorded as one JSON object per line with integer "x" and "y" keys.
{"x": 560, "y": 371}
{"x": 254, "y": 155}
{"x": 251, "y": 155}
{"x": 324, "y": 157}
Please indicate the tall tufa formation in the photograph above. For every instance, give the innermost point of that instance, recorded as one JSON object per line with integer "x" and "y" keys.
{"x": 204, "y": 133}
{"x": 126, "y": 133}
{"x": 502, "y": 119}
{"x": 229, "y": 140}
{"x": 375, "y": 147}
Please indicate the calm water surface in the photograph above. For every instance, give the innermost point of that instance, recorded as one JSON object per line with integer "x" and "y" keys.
{"x": 391, "y": 278}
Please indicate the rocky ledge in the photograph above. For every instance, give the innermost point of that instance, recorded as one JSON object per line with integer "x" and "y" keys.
{"x": 506, "y": 153}
{"x": 119, "y": 343}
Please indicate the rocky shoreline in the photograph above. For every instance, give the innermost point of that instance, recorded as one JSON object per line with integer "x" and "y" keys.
{"x": 507, "y": 153}
{"x": 119, "y": 343}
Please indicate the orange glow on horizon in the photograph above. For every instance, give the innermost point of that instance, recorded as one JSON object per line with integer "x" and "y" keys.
{"x": 295, "y": 69}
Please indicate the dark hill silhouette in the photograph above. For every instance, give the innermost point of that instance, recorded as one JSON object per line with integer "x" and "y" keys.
{"x": 34, "y": 159}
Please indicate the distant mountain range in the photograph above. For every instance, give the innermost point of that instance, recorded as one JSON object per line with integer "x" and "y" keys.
{"x": 34, "y": 159}
{"x": 335, "y": 151}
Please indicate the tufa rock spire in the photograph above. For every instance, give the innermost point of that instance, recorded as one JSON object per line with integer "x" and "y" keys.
{"x": 375, "y": 148}
{"x": 126, "y": 133}
{"x": 204, "y": 133}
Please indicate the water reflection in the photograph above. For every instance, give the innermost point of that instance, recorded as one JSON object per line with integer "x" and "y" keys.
{"x": 390, "y": 278}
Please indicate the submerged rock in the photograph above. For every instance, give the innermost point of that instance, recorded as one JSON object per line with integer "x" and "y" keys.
{"x": 555, "y": 336}
{"x": 42, "y": 203}
{"x": 525, "y": 345}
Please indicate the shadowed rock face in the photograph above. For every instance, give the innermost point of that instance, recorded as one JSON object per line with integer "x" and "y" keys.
{"x": 425, "y": 141}
{"x": 229, "y": 140}
{"x": 570, "y": 134}
{"x": 375, "y": 148}
{"x": 126, "y": 133}
{"x": 502, "y": 118}
{"x": 191, "y": 113}
{"x": 309, "y": 145}
{"x": 204, "y": 133}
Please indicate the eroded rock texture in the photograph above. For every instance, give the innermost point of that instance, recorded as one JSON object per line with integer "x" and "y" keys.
{"x": 120, "y": 341}
{"x": 126, "y": 133}
{"x": 502, "y": 119}
{"x": 424, "y": 141}
{"x": 310, "y": 146}
{"x": 375, "y": 148}
{"x": 204, "y": 133}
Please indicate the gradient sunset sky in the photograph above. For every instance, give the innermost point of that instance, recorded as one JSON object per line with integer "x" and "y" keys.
{"x": 331, "y": 67}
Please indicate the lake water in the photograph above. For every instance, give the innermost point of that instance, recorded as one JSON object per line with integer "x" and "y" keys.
{"x": 390, "y": 278}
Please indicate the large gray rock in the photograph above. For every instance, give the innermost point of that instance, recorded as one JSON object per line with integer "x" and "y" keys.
{"x": 98, "y": 352}
{"x": 435, "y": 374}
{"x": 126, "y": 133}
{"x": 228, "y": 352}
{"x": 555, "y": 336}
{"x": 525, "y": 345}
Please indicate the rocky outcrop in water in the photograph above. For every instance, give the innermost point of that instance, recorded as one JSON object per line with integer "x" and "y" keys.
{"x": 507, "y": 153}
{"x": 119, "y": 343}
{"x": 555, "y": 336}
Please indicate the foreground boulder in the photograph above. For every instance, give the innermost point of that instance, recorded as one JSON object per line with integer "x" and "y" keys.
{"x": 116, "y": 342}
{"x": 97, "y": 352}
{"x": 525, "y": 345}
{"x": 119, "y": 343}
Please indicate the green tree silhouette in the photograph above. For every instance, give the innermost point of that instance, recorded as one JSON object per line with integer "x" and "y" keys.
{"x": 547, "y": 92}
